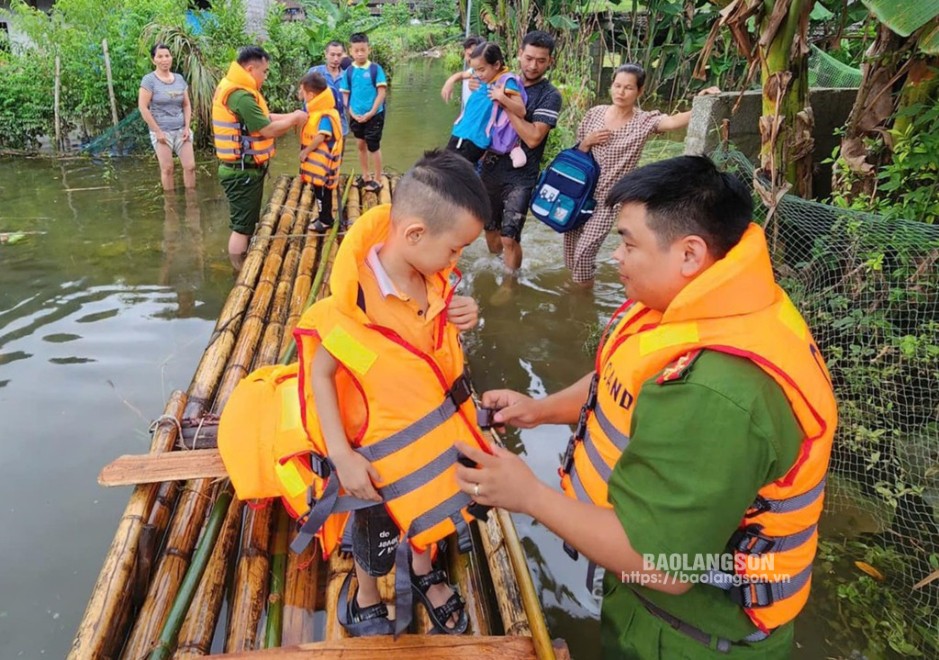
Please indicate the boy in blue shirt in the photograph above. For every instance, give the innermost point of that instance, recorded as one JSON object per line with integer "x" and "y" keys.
{"x": 363, "y": 88}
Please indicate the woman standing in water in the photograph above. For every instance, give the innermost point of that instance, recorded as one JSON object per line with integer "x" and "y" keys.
{"x": 615, "y": 135}
{"x": 164, "y": 104}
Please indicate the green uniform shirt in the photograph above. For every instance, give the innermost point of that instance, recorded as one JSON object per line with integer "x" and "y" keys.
{"x": 701, "y": 446}
{"x": 249, "y": 113}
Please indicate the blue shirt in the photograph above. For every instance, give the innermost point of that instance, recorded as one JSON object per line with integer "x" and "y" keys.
{"x": 334, "y": 85}
{"x": 472, "y": 123}
{"x": 364, "y": 91}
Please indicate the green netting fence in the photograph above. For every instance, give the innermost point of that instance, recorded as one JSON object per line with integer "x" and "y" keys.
{"x": 826, "y": 71}
{"x": 869, "y": 289}
{"x": 130, "y": 135}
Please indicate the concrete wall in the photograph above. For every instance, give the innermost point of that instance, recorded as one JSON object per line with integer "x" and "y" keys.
{"x": 829, "y": 105}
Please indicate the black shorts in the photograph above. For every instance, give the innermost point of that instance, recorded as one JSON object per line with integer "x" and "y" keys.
{"x": 374, "y": 540}
{"x": 370, "y": 131}
{"x": 466, "y": 148}
{"x": 509, "y": 203}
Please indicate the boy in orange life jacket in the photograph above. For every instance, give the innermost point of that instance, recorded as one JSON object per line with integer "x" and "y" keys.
{"x": 402, "y": 257}
{"x": 322, "y": 144}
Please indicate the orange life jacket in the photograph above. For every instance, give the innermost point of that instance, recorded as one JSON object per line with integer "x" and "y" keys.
{"x": 321, "y": 167}
{"x": 734, "y": 307}
{"x": 232, "y": 145}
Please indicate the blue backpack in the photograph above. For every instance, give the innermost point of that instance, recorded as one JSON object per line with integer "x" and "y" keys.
{"x": 563, "y": 197}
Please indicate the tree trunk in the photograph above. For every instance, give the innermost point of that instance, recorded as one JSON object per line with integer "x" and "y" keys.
{"x": 787, "y": 121}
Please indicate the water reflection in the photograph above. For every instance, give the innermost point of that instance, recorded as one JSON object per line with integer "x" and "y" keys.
{"x": 183, "y": 247}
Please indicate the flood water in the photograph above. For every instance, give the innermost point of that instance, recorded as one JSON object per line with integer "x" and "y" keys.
{"x": 109, "y": 308}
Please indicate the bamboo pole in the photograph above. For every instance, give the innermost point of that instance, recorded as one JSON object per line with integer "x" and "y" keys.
{"x": 56, "y": 89}
{"x": 384, "y": 195}
{"x": 300, "y": 594}
{"x": 107, "y": 71}
{"x": 209, "y": 381}
{"x": 106, "y": 616}
{"x": 354, "y": 205}
{"x": 187, "y": 590}
{"x": 465, "y": 573}
{"x": 195, "y": 636}
{"x": 275, "y": 608}
{"x": 514, "y": 619}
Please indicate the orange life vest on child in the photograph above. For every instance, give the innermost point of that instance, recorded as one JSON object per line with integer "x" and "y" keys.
{"x": 737, "y": 308}
{"x": 232, "y": 145}
{"x": 321, "y": 167}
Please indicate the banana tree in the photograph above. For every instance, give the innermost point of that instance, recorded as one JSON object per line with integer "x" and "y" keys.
{"x": 780, "y": 51}
{"x": 904, "y": 51}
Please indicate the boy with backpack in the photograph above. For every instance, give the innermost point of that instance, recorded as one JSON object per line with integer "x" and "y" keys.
{"x": 364, "y": 86}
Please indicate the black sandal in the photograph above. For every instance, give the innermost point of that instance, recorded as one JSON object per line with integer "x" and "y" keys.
{"x": 362, "y": 621}
{"x": 441, "y": 615}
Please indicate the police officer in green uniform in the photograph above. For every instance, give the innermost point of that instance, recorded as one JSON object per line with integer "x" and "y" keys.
{"x": 706, "y": 434}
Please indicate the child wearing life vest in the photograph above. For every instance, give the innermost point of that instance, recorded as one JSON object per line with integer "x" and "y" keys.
{"x": 499, "y": 92}
{"x": 383, "y": 383}
{"x": 321, "y": 145}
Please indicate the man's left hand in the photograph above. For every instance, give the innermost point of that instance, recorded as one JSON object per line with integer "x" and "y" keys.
{"x": 500, "y": 479}
{"x": 497, "y": 94}
{"x": 463, "y": 312}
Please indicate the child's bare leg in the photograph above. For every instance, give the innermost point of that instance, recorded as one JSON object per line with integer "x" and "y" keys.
{"x": 437, "y": 593}
{"x": 376, "y": 161}
{"x": 368, "y": 588}
{"x": 363, "y": 158}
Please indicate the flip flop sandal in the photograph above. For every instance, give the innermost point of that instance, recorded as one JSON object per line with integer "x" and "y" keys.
{"x": 359, "y": 181}
{"x": 441, "y": 615}
{"x": 372, "y": 186}
{"x": 365, "y": 621}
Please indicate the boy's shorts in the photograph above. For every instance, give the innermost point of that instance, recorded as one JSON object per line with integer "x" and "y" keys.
{"x": 370, "y": 131}
{"x": 466, "y": 148}
{"x": 245, "y": 192}
{"x": 374, "y": 540}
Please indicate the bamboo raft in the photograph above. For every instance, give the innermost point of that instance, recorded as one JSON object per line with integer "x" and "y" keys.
{"x": 192, "y": 571}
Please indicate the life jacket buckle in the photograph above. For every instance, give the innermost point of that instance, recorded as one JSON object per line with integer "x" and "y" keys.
{"x": 460, "y": 391}
{"x": 760, "y": 505}
{"x": 591, "y": 402}
{"x": 320, "y": 465}
{"x": 753, "y": 594}
{"x": 581, "y": 430}
{"x": 571, "y": 552}
{"x": 750, "y": 541}
{"x": 567, "y": 461}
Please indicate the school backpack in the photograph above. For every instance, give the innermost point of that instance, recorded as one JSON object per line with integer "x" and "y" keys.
{"x": 563, "y": 197}
{"x": 373, "y": 76}
{"x": 502, "y": 137}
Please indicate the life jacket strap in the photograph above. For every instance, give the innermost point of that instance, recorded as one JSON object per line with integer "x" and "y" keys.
{"x": 789, "y": 504}
{"x": 756, "y": 594}
{"x": 750, "y": 540}
{"x": 457, "y": 395}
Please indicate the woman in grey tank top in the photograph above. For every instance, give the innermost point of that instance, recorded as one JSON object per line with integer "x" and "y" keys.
{"x": 164, "y": 104}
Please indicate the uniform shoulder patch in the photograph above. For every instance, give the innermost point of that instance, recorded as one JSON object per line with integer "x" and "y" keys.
{"x": 676, "y": 370}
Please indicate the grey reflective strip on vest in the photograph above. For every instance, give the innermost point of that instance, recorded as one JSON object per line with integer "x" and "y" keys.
{"x": 578, "y": 485}
{"x": 593, "y": 453}
{"x": 420, "y": 477}
{"x": 234, "y": 152}
{"x": 792, "y": 541}
{"x": 259, "y": 152}
{"x": 328, "y": 504}
{"x": 613, "y": 433}
{"x": 409, "y": 434}
{"x": 226, "y": 124}
{"x": 778, "y": 590}
{"x": 797, "y": 502}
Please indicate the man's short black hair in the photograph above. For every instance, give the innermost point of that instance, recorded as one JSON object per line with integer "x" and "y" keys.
{"x": 332, "y": 44}
{"x": 252, "y": 54}
{"x": 313, "y": 82}
{"x": 436, "y": 188}
{"x": 472, "y": 41}
{"x": 358, "y": 38}
{"x": 539, "y": 39}
{"x": 688, "y": 195}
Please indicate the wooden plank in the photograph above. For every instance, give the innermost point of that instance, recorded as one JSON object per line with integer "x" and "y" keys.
{"x": 427, "y": 647}
{"x": 129, "y": 470}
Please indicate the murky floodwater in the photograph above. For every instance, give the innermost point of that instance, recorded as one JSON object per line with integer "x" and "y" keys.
{"x": 110, "y": 307}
